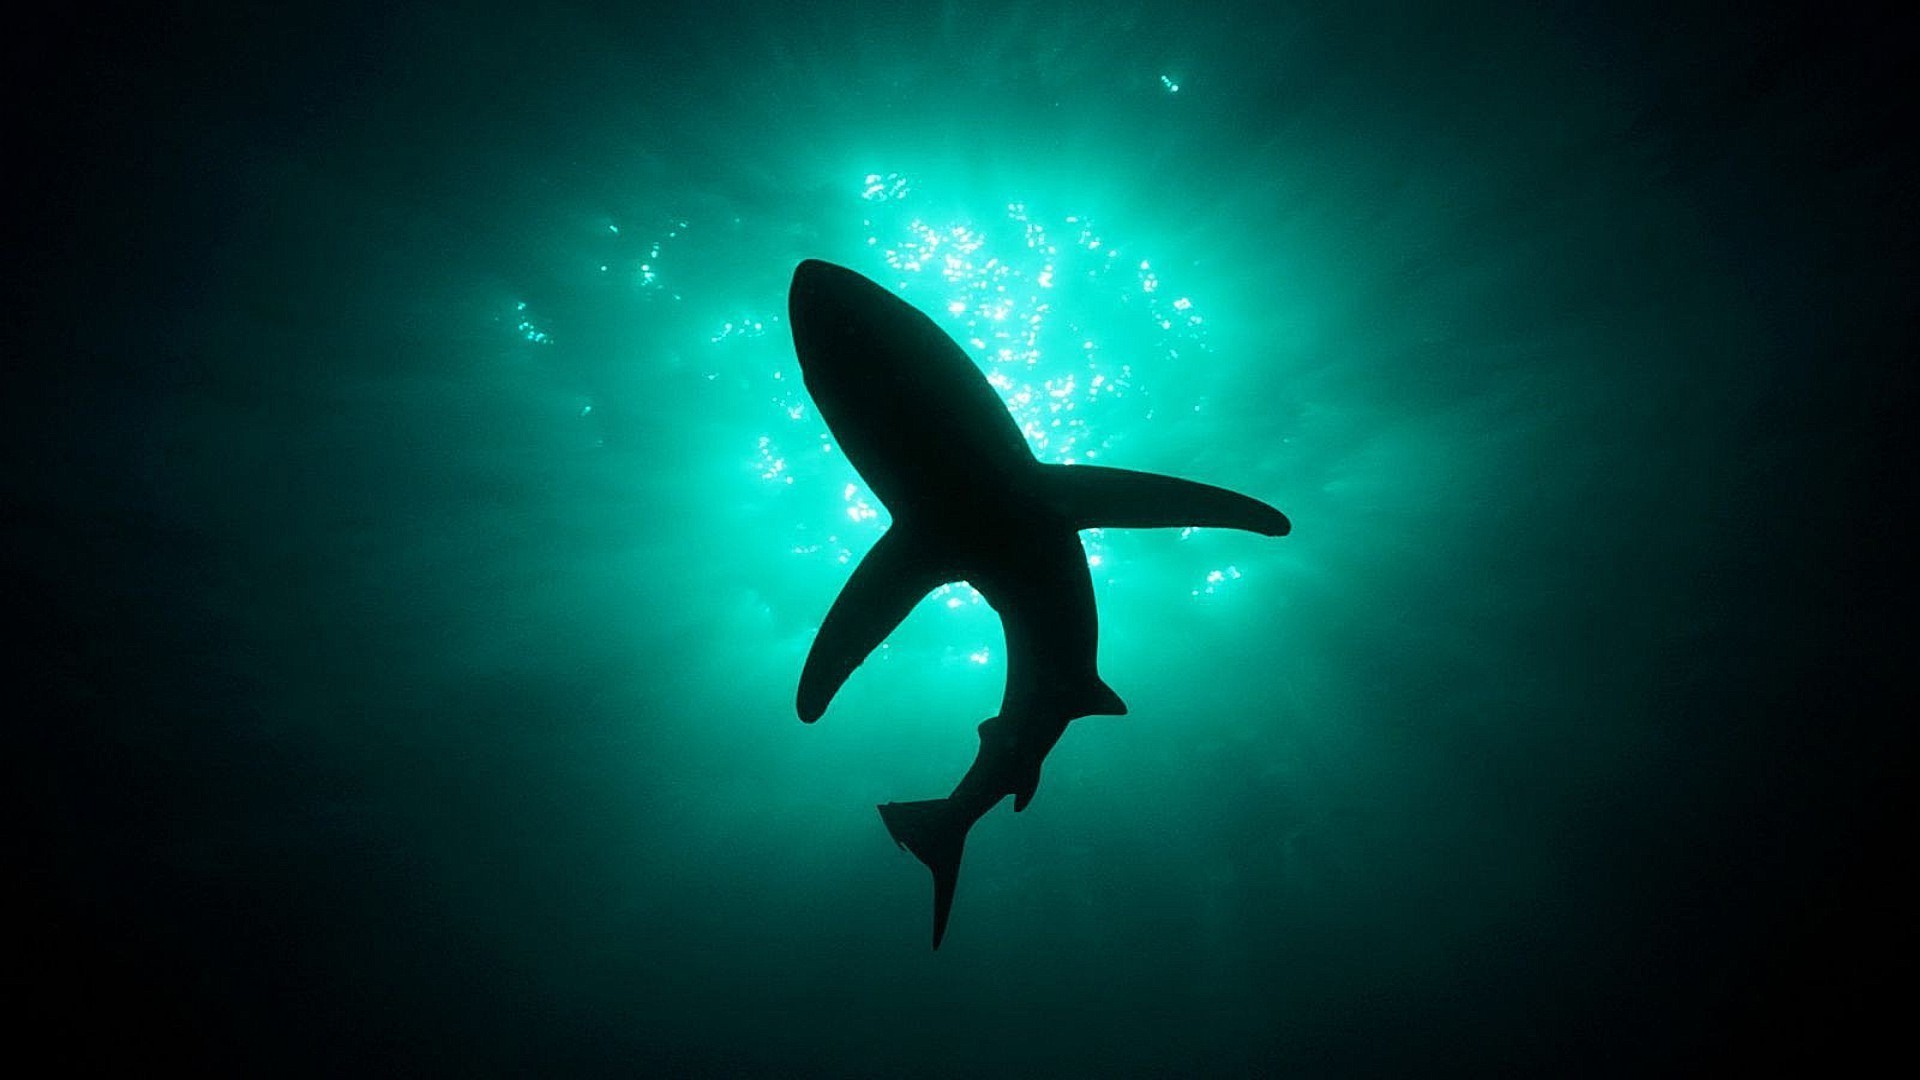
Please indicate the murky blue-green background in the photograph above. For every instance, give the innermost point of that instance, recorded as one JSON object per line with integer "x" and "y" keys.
{"x": 422, "y": 526}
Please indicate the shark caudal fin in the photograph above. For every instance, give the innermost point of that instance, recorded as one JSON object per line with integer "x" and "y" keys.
{"x": 1098, "y": 497}
{"x": 936, "y": 834}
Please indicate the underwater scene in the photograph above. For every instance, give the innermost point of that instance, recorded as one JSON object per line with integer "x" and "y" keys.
{"x": 422, "y": 520}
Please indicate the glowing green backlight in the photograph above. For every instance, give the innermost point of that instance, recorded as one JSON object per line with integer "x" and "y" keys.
{"x": 1045, "y": 302}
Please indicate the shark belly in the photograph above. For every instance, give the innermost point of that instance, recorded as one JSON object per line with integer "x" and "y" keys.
{"x": 1036, "y": 579}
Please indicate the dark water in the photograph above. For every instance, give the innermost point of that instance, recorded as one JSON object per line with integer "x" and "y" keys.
{"x": 418, "y": 527}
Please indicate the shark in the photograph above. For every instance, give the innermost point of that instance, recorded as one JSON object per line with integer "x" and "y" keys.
{"x": 969, "y": 501}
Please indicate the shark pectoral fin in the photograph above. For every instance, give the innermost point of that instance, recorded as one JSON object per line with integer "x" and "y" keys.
{"x": 936, "y": 833}
{"x": 886, "y": 585}
{"x": 1095, "y": 496}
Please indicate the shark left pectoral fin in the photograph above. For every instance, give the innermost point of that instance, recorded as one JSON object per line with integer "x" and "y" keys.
{"x": 890, "y": 580}
{"x": 1096, "y": 496}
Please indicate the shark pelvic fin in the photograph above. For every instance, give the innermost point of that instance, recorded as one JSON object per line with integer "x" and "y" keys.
{"x": 1025, "y": 787}
{"x": 1102, "y": 701}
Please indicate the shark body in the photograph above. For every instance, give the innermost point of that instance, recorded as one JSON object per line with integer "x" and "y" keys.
{"x": 969, "y": 502}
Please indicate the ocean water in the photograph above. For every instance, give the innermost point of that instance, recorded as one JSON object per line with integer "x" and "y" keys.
{"x": 421, "y": 525}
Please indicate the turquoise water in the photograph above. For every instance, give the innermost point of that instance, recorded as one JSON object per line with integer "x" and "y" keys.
{"x": 434, "y": 525}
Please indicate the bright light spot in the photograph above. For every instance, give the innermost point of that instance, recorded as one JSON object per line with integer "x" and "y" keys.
{"x": 772, "y": 465}
{"x": 1217, "y": 578}
{"x": 746, "y": 327}
{"x": 883, "y": 188}
{"x": 980, "y": 656}
{"x": 1168, "y": 83}
{"x": 525, "y": 325}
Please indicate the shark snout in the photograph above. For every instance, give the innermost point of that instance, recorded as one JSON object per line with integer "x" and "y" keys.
{"x": 808, "y": 270}
{"x": 814, "y": 278}
{"x": 812, "y": 295}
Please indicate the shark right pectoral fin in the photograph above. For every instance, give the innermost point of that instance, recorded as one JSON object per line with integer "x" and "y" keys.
{"x": 1095, "y": 497}
{"x": 893, "y": 577}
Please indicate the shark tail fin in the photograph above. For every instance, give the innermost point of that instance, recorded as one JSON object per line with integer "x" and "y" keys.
{"x": 936, "y": 834}
{"x": 1095, "y": 496}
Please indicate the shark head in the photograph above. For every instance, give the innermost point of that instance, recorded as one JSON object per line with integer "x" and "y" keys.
{"x": 906, "y": 404}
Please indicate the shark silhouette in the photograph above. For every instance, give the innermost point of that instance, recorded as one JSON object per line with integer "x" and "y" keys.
{"x": 969, "y": 501}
